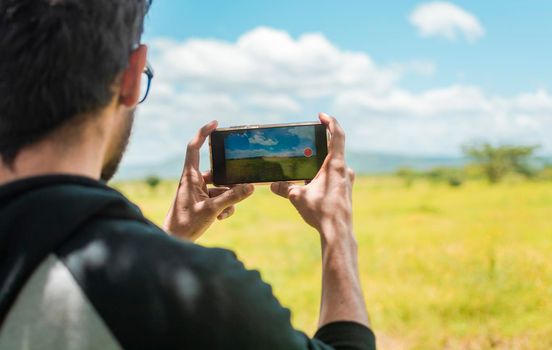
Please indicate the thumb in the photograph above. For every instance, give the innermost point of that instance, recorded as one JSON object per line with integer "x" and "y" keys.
{"x": 287, "y": 190}
{"x": 281, "y": 188}
{"x": 232, "y": 196}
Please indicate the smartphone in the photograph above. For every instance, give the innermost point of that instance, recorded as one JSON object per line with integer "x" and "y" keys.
{"x": 267, "y": 153}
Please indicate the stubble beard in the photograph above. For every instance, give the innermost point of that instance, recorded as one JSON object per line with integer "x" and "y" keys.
{"x": 110, "y": 168}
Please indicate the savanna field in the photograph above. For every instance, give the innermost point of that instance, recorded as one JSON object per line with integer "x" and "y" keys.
{"x": 442, "y": 267}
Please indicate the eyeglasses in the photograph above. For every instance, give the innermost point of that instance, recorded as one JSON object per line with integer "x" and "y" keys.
{"x": 145, "y": 84}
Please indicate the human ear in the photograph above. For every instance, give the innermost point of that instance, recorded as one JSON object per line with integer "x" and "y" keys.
{"x": 129, "y": 91}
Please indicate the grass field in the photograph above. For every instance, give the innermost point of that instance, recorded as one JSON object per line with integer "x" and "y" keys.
{"x": 270, "y": 168}
{"x": 442, "y": 267}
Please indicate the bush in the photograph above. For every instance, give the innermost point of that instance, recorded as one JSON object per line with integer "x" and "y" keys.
{"x": 153, "y": 181}
{"x": 407, "y": 174}
{"x": 452, "y": 176}
{"x": 498, "y": 161}
{"x": 455, "y": 181}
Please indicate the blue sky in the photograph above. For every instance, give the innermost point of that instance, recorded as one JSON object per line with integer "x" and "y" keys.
{"x": 272, "y": 142}
{"x": 515, "y": 53}
{"x": 403, "y": 77}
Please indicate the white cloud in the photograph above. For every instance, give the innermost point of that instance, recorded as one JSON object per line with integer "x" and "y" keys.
{"x": 440, "y": 121}
{"x": 444, "y": 19}
{"x": 267, "y": 76}
{"x": 269, "y": 60}
{"x": 259, "y": 139}
{"x": 303, "y": 133}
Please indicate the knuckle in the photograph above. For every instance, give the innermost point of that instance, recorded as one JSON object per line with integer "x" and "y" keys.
{"x": 188, "y": 175}
{"x": 210, "y": 207}
{"x": 339, "y": 166}
{"x": 236, "y": 194}
{"x": 282, "y": 188}
{"x": 293, "y": 195}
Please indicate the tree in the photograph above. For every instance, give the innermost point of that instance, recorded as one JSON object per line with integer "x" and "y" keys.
{"x": 153, "y": 181}
{"x": 497, "y": 162}
{"x": 407, "y": 174}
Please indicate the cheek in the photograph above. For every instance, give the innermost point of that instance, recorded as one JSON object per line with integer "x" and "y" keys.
{"x": 122, "y": 129}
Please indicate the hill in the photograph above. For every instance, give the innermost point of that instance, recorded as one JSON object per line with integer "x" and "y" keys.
{"x": 366, "y": 163}
{"x": 363, "y": 163}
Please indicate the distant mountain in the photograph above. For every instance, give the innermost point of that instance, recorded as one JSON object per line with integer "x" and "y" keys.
{"x": 362, "y": 163}
{"x": 167, "y": 169}
{"x": 381, "y": 163}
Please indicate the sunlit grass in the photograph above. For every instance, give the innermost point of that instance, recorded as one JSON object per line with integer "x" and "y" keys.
{"x": 442, "y": 267}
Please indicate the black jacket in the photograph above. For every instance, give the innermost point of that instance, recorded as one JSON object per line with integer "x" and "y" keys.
{"x": 81, "y": 268}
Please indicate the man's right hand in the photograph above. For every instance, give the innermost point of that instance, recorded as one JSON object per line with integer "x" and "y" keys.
{"x": 326, "y": 202}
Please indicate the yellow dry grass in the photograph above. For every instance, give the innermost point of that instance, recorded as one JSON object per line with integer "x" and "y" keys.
{"x": 442, "y": 267}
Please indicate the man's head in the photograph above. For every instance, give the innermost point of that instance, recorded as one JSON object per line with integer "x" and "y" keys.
{"x": 64, "y": 63}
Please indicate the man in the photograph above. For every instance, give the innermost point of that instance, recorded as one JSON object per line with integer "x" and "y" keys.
{"x": 80, "y": 267}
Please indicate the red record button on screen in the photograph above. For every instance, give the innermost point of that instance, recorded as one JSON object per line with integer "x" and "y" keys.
{"x": 308, "y": 152}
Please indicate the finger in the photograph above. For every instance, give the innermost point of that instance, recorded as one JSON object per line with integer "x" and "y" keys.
{"x": 281, "y": 188}
{"x": 208, "y": 177}
{"x": 337, "y": 140}
{"x": 226, "y": 213}
{"x": 351, "y": 174}
{"x": 287, "y": 190}
{"x": 217, "y": 191}
{"x": 232, "y": 196}
{"x": 192, "y": 153}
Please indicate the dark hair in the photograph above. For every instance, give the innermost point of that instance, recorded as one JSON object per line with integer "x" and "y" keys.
{"x": 59, "y": 59}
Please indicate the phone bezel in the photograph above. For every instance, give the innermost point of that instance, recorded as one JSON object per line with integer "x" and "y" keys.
{"x": 218, "y": 152}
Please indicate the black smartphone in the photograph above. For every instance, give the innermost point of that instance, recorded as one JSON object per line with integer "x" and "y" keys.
{"x": 267, "y": 153}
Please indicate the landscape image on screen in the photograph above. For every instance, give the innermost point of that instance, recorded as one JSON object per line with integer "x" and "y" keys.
{"x": 272, "y": 154}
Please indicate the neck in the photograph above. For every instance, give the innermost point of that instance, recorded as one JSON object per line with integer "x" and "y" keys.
{"x": 48, "y": 157}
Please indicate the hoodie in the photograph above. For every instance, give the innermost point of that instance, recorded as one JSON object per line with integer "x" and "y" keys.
{"x": 82, "y": 268}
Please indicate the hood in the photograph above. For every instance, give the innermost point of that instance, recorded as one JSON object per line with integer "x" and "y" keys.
{"x": 39, "y": 214}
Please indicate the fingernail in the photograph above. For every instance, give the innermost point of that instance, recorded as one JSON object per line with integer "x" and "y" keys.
{"x": 223, "y": 216}
{"x": 249, "y": 189}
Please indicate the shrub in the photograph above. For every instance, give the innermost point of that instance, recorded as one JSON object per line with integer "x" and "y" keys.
{"x": 153, "y": 181}
{"x": 452, "y": 176}
{"x": 498, "y": 161}
{"x": 407, "y": 174}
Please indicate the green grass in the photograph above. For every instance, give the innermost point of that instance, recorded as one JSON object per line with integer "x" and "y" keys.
{"x": 253, "y": 169}
{"x": 442, "y": 267}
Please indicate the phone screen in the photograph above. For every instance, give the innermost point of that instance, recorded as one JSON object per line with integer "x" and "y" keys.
{"x": 268, "y": 154}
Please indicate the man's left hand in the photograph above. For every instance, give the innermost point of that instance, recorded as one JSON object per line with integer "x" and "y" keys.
{"x": 195, "y": 206}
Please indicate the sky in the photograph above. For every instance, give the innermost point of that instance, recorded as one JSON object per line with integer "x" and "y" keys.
{"x": 402, "y": 77}
{"x": 271, "y": 142}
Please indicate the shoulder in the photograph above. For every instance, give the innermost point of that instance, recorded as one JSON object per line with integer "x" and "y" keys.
{"x": 125, "y": 246}
{"x": 152, "y": 290}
